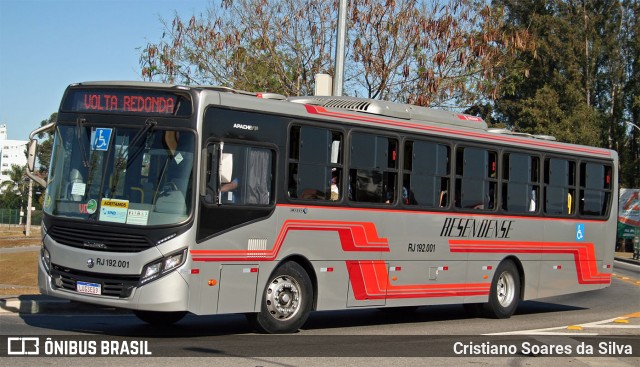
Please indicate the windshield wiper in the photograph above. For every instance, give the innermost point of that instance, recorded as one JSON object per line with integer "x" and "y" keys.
{"x": 119, "y": 162}
{"x": 79, "y": 130}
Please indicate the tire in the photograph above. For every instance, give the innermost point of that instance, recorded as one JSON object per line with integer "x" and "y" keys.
{"x": 160, "y": 318}
{"x": 505, "y": 292}
{"x": 286, "y": 301}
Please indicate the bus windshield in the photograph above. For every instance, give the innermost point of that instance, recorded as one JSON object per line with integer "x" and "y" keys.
{"x": 140, "y": 176}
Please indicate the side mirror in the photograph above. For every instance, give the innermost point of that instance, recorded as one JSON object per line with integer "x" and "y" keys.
{"x": 32, "y": 149}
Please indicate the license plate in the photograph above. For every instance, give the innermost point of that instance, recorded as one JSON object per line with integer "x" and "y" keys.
{"x": 90, "y": 288}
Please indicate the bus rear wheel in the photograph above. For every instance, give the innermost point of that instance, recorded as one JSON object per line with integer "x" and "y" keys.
{"x": 505, "y": 291}
{"x": 286, "y": 301}
{"x": 159, "y": 317}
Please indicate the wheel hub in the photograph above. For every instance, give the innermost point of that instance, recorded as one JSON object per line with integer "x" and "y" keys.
{"x": 505, "y": 289}
{"x": 283, "y": 298}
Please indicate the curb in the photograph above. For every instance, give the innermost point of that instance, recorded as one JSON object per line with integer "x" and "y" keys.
{"x": 39, "y": 304}
{"x": 628, "y": 260}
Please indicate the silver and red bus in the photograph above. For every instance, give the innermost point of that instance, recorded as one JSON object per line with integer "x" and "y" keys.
{"x": 168, "y": 199}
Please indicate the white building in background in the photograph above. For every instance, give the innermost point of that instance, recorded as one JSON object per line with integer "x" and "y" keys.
{"x": 11, "y": 152}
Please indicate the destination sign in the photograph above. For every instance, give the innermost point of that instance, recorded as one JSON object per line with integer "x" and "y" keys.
{"x": 126, "y": 101}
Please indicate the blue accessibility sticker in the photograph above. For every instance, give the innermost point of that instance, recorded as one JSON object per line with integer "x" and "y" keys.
{"x": 580, "y": 232}
{"x": 101, "y": 139}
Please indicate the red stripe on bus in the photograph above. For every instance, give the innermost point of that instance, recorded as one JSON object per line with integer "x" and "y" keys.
{"x": 354, "y": 236}
{"x": 370, "y": 281}
{"x": 318, "y": 110}
{"x": 583, "y": 254}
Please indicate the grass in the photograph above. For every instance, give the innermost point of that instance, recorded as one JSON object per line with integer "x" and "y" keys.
{"x": 14, "y": 237}
{"x": 18, "y": 271}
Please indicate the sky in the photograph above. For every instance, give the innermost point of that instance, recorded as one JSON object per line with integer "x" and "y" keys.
{"x": 45, "y": 45}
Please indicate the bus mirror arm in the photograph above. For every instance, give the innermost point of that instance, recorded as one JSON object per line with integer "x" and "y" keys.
{"x": 32, "y": 149}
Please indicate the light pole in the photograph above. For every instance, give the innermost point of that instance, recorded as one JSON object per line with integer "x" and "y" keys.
{"x": 340, "y": 44}
{"x": 27, "y": 230}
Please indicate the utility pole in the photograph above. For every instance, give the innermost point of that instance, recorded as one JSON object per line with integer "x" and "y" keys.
{"x": 27, "y": 229}
{"x": 340, "y": 45}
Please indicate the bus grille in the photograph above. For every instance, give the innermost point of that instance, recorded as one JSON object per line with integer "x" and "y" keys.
{"x": 95, "y": 240}
{"x": 114, "y": 286}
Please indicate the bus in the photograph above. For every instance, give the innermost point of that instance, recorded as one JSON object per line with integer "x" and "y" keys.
{"x": 168, "y": 199}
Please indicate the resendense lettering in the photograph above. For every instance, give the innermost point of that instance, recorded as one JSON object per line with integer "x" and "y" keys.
{"x": 478, "y": 228}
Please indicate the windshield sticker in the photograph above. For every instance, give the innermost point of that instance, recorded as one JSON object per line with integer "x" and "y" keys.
{"x": 92, "y": 206}
{"x": 138, "y": 217}
{"x": 47, "y": 200}
{"x": 78, "y": 188}
{"x": 100, "y": 139}
{"x": 178, "y": 158}
{"x": 114, "y": 210}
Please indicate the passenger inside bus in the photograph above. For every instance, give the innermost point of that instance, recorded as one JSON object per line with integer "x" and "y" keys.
{"x": 227, "y": 190}
{"x": 335, "y": 190}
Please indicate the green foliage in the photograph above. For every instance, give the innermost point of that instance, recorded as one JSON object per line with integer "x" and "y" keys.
{"x": 565, "y": 68}
{"x": 579, "y": 83}
{"x": 15, "y": 190}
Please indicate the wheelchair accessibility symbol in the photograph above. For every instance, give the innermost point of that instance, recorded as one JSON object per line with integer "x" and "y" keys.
{"x": 101, "y": 138}
{"x": 580, "y": 232}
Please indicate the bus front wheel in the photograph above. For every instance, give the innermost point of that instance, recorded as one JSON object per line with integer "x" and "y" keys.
{"x": 286, "y": 301}
{"x": 505, "y": 291}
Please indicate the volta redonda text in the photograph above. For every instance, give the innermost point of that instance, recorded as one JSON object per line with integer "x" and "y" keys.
{"x": 129, "y": 103}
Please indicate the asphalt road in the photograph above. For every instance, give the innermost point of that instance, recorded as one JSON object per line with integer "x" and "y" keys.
{"x": 428, "y": 335}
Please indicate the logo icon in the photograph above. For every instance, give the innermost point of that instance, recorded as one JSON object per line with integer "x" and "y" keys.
{"x": 18, "y": 346}
{"x": 90, "y": 263}
{"x": 580, "y": 232}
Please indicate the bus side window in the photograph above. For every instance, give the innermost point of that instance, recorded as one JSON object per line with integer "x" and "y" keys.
{"x": 243, "y": 175}
{"x": 476, "y": 178}
{"x": 426, "y": 173}
{"x": 315, "y": 163}
{"x": 373, "y": 169}
{"x": 595, "y": 189}
{"x": 559, "y": 192}
{"x": 520, "y": 184}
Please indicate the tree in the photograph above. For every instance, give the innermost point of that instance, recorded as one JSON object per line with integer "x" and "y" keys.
{"x": 630, "y": 153}
{"x": 246, "y": 44}
{"x": 425, "y": 52}
{"x": 583, "y": 74}
{"x": 554, "y": 98}
{"x": 15, "y": 189}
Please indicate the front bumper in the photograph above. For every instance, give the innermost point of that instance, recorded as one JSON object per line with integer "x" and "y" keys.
{"x": 169, "y": 293}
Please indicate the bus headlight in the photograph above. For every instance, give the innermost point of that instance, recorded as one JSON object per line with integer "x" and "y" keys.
{"x": 163, "y": 266}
